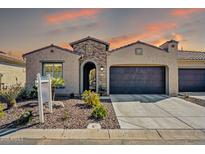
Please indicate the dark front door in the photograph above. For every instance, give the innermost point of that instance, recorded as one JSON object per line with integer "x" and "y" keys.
{"x": 191, "y": 80}
{"x": 137, "y": 80}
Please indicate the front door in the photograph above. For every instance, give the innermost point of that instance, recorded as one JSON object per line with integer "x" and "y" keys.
{"x": 89, "y": 76}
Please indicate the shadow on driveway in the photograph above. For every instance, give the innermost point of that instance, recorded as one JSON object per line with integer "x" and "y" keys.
{"x": 140, "y": 98}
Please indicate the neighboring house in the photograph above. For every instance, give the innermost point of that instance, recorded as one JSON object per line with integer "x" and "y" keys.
{"x": 12, "y": 70}
{"x": 137, "y": 68}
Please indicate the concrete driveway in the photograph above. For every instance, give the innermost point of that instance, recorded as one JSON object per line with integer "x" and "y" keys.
{"x": 198, "y": 95}
{"x": 157, "y": 112}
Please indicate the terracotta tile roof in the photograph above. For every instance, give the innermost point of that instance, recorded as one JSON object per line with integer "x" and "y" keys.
{"x": 52, "y": 45}
{"x": 90, "y": 38}
{"x": 191, "y": 55}
{"x": 4, "y": 57}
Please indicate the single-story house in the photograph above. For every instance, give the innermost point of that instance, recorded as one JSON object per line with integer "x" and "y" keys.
{"x": 12, "y": 70}
{"x": 136, "y": 68}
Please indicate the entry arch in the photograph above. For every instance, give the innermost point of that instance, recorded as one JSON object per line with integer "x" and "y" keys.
{"x": 82, "y": 74}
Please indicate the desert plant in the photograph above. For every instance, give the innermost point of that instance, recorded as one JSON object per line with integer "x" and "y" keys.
{"x": 9, "y": 95}
{"x": 34, "y": 92}
{"x": 25, "y": 118}
{"x": 99, "y": 112}
{"x": 55, "y": 83}
{"x": 1, "y": 110}
{"x": 24, "y": 94}
{"x": 65, "y": 116}
{"x": 91, "y": 98}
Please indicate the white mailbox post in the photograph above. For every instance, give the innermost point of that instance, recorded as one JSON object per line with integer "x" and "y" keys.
{"x": 44, "y": 94}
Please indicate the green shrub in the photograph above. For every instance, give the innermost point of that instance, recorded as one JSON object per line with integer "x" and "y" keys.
{"x": 65, "y": 116}
{"x": 55, "y": 83}
{"x": 99, "y": 112}
{"x": 9, "y": 95}
{"x": 24, "y": 94}
{"x": 1, "y": 110}
{"x": 25, "y": 118}
{"x": 91, "y": 98}
{"x": 34, "y": 92}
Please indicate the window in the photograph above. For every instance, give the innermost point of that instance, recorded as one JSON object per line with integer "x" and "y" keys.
{"x": 138, "y": 51}
{"x": 54, "y": 69}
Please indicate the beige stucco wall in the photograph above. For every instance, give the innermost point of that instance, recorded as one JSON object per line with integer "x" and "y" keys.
{"x": 191, "y": 64}
{"x": 70, "y": 67}
{"x": 151, "y": 56}
{"x": 12, "y": 73}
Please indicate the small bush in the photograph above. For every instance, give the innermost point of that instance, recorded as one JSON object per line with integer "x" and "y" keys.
{"x": 24, "y": 94}
{"x": 91, "y": 98}
{"x": 55, "y": 83}
{"x": 25, "y": 118}
{"x": 65, "y": 116}
{"x": 1, "y": 110}
{"x": 9, "y": 96}
{"x": 34, "y": 92}
{"x": 99, "y": 112}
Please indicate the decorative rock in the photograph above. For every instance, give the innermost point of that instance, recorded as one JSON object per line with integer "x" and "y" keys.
{"x": 58, "y": 104}
{"x": 94, "y": 126}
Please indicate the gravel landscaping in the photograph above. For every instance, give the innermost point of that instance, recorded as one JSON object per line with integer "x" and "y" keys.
{"x": 75, "y": 115}
{"x": 194, "y": 100}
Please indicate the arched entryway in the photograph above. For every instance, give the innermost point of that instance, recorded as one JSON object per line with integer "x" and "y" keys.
{"x": 88, "y": 76}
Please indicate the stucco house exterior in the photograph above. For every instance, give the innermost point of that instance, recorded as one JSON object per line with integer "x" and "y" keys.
{"x": 12, "y": 70}
{"x": 137, "y": 68}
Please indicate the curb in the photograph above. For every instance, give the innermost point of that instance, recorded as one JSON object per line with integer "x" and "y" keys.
{"x": 106, "y": 134}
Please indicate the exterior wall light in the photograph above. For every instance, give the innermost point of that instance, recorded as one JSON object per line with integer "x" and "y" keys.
{"x": 101, "y": 68}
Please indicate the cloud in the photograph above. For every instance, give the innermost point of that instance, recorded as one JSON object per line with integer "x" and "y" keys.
{"x": 61, "y": 17}
{"x": 73, "y": 29}
{"x": 186, "y": 12}
{"x": 174, "y": 36}
{"x": 151, "y": 30}
{"x": 159, "y": 42}
{"x": 161, "y": 26}
{"x": 66, "y": 45}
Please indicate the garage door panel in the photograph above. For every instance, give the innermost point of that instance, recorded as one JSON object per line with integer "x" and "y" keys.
{"x": 191, "y": 80}
{"x": 137, "y": 80}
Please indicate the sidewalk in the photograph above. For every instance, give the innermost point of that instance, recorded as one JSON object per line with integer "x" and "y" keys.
{"x": 107, "y": 134}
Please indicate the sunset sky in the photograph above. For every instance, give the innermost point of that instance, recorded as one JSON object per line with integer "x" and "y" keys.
{"x": 24, "y": 30}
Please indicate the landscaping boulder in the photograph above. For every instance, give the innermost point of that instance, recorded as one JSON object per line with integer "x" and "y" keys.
{"x": 58, "y": 104}
{"x": 94, "y": 126}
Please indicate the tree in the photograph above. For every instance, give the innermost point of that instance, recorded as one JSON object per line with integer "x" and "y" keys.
{"x": 55, "y": 83}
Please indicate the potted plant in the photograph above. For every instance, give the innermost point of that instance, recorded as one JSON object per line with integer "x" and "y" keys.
{"x": 55, "y": 83}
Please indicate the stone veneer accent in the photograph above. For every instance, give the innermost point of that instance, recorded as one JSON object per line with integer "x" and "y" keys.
{"x": 94, "y": 51}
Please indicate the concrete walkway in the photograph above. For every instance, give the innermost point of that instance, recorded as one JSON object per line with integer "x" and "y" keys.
{"x": 103, "y": 136}
{"x": 198, "y": 95}
{"x": 157, "y": 112}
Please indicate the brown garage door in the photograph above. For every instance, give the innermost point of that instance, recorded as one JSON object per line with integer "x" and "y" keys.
{"x": 137, "y": 80}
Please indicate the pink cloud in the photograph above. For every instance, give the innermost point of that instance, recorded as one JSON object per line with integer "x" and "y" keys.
{"x": 70, "y": 15}
{"x": 150, "y": 31}
{"x": 175, "y": 36}
{"x": 186, "y": 12}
